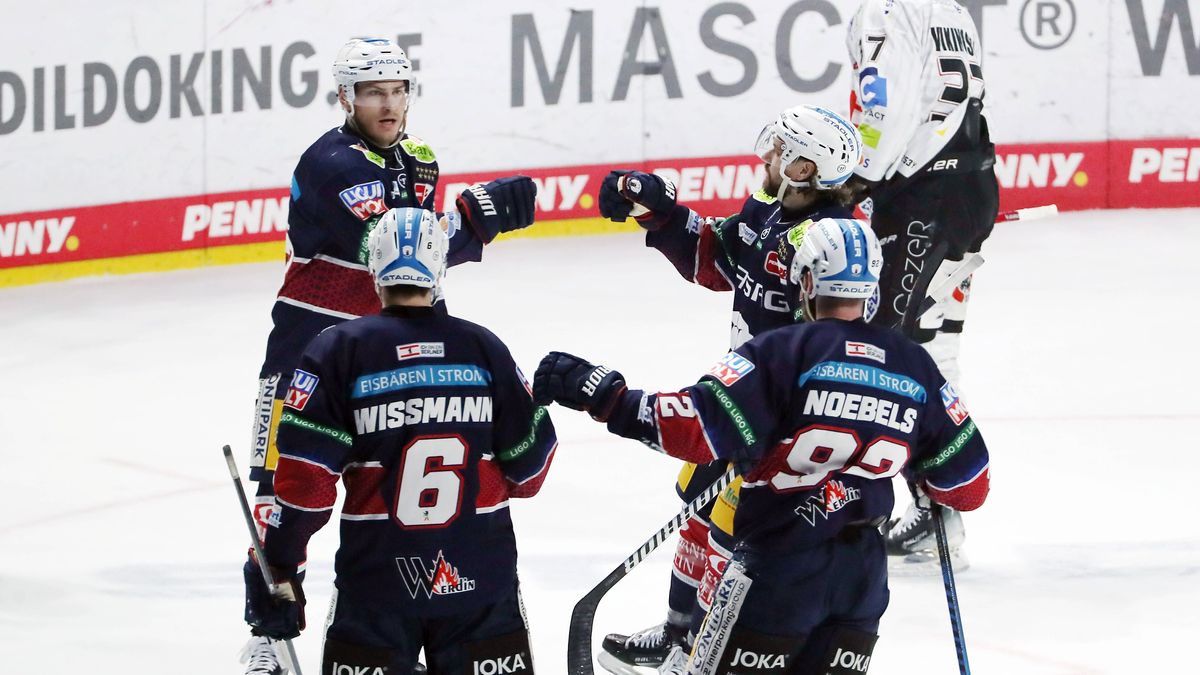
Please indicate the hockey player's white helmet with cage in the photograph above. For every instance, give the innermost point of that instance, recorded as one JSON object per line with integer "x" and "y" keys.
{"x": 843, "y": 255}
{"x": 408, "y": 247}
{"x": 818, "y": 135}
{"x": 371, "y": 60}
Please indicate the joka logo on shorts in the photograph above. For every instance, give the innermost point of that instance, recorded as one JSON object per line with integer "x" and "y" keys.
{"x": 364, "y": 200}
{"x": 955, "y": 408}
{"x": 303, "y": 385}
{"x": 442, "y": 579}
{"x": 504, "y": 665}
{"x": 731, "y": 368}
{"x": 419, "y": 350}
{"x": 748, "y": 659}
{"x": 347, "y": 669}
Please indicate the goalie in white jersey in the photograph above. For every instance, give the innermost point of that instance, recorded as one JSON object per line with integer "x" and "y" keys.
{"x": 917, "y": 98}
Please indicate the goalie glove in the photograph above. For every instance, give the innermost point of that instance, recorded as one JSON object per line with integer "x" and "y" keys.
{"x": 503, "y": 205}
{"x": 277, "y": 613}
{"x": 573, "y": 382}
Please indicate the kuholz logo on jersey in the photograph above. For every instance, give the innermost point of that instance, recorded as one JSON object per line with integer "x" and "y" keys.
{"x": 421, "y": 350}
{"x": 731, "y": 368}
{"x": 303, "y": 385}
{"x": 866, "y": 350}
{"x": 955, "y": 408}
{"x": 365, "y": 199}
{"x": 442, "y": 579}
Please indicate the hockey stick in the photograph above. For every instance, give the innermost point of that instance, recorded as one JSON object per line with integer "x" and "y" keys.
{"x": 579, "y": 636}
{"x": 960, "y": 638}
{"x": 290, "y": 649}
{"x": 1031, "y": 213}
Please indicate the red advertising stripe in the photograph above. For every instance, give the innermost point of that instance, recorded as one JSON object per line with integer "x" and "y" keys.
{"x": 1117, "y": 174}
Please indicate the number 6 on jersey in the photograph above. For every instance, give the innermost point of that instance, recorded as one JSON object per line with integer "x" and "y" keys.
{"x": 430, "y": 489}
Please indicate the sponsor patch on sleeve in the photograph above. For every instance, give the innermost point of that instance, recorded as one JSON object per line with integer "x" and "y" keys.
{"x": 303, "y": 385}
{"x": 731, "y": 368}
{"x": 955, "y": 408}
{"x": 364, "y": 200}
{"x": 421, "y": 350}
{"x": 866, "y": 350}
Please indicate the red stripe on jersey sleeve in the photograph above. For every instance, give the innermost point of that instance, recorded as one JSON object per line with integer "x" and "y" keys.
{"x": 965, "y": 497}
{"x": 493, "y": 487}
{"x": 331, "y": 286}
{"x": 364, "y": 491}
{"x": 305, "y": 485}
{"x": 680, "y": 428}
{"x": 530, "y": 486}
{"x": 708, "y": 273}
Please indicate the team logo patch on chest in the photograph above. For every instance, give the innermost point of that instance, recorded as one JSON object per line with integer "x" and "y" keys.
{"x": 775, "y": 266}
{"x": 303, "y": 385}
{"x": 364, "y": 200}
{"x": 731, "y": 368}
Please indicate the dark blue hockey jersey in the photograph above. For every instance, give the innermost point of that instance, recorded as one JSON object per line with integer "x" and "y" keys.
{"x": 817, "y": 417}
{"x": 431, "y": 428}
{"x": 740, "y": 253}
{"x": 341, "y": 185}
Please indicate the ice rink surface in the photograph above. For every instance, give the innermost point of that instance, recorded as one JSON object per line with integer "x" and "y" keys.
{"x": 121, "y": 542}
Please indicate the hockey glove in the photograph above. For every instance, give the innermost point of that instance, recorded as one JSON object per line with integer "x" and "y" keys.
{"x": 572, "y": 382}
{"x": 278, "y": 615}
{"x": 503, "y": 205}
{"x": 653, "y": 194}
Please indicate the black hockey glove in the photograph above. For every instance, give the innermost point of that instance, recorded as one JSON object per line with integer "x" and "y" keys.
{"x": 503, "y": 205}
{"x": 623, "y": 192}
{"x": 572, "y": 382}
{"x": 612, "y": 205}
{"x": 280, "y": 615}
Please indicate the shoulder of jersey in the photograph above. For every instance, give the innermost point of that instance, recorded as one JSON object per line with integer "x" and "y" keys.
{"x": 418, "y": 149}
{"x": 337, "y": 152}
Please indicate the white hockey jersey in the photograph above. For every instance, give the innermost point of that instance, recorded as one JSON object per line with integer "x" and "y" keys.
{"x": 916, "y": 63}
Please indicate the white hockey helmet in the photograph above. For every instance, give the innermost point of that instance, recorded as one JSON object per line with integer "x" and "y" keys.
{"x": 370, "y": 60}
{"x": 843, "y": 255}
{"x": 408, "y": 247}
{"x": 818, "y": 135}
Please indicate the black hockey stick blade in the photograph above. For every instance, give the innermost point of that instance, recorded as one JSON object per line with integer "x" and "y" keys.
{"x": 579, "y": 634}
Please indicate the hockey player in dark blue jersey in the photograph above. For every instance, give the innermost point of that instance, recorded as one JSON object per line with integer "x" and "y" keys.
{"x": 431, "y": 427}
{"x": 341, "y": 186}
{"x": 817, "y": 417}
{"x": 809, "y": 153}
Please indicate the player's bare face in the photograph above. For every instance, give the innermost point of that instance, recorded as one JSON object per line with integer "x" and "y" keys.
{"x": 380, "y": 109}
{"x": 772, "y": 180}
